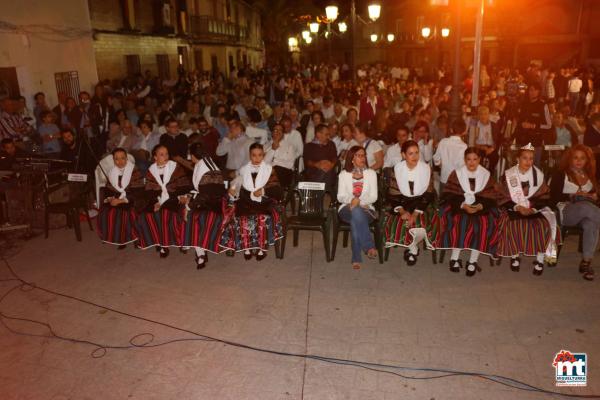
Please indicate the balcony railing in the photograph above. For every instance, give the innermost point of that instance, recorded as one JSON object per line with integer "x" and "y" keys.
{"x": 205, "y": 27}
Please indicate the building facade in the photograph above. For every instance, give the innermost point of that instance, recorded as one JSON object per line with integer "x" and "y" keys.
{"x": 550, "y": 32}
{"x": 45, "y": 47}
{"x": 162, "y": 36}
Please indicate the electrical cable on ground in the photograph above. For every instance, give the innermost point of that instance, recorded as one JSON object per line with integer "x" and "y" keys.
{"x": 101, "y": 349}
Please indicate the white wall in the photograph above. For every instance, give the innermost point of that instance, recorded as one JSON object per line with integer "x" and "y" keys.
{"x": 38, "y": 57}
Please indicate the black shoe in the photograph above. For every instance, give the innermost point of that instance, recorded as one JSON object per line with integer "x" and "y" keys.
{"x": 122, "y": 247}
{"x": 515, "y": 264}
{"x": 260, "y": 257}
{"x": 472, "y": 268}
{"x": 164, "y": 252}
{"x": 411, "y": 259}
{"x": 455, "y": 265}
{"x": 538, "y": 268}
{"x": 248, "y": 256}
{"x": 200, "y": 262}
{"x": 157, "y": 248}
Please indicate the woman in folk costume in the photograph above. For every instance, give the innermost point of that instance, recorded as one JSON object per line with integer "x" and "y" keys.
{"x": 116, "y": 219}
{"x": 160, "y": 222}
{"x": 414, "y": 217}
{"x": 203, "y": 223}
{"x": 469, "y": 213}
{"x": 529, "y": 226}
{"x": 256, "y": 222}
{"x": 574, "y": 191}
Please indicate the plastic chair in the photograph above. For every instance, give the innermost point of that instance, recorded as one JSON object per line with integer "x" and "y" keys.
{"x": 310, "y": 216}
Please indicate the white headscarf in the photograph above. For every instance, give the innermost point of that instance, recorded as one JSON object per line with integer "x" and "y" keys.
{"x": 263, "y": 171}
{"x": 167, "y": 172}
{"x": 125, "y": 173}
{"x": 481, "y": 176}
{"x": 422, "y": 174}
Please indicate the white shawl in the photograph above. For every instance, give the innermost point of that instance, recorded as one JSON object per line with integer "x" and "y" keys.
{"x": 202, "y": 168}
{"x": 167, "y": 172}
{"x": 113, "y": 178}
{"x": 422, "y": 173}
{"x": 263, "y": 171}
{"x": 481, "y": 176}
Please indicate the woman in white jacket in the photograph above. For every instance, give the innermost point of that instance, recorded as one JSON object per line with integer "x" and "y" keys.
{"x": 357, "y": 191}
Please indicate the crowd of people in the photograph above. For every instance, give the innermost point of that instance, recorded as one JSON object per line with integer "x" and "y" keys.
{"x": 208, "y": 163}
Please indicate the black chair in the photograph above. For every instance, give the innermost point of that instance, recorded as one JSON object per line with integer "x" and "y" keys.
{"x": 66, "y": 198}
{"x": 310, "y": 216}
{"x": 341, "y": 226}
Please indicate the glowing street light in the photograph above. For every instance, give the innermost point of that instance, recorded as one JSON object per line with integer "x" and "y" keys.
{"x": 374, "y": 37}
{"x": 308, "y": 40}
{"x": 331, "y": 12}
{"x": 390, "y": 37}
{"x": 425, "y": 32}
{"x": 314, "y": 27}
{"x": 343, "y": 27}
{"x": 445, "y": 32}
{"x": 374, "y": 11}
{"x": 305, "y": 34}
{"x": 292, "y": 42}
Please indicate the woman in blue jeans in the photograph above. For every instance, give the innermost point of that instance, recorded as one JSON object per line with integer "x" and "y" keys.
{"x": 357, "y": 191}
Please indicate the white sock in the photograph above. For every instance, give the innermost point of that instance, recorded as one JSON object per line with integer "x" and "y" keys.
{"x": 474, "y": 256}
{"x": 247, "y": 252}
{"x": 540, "y": 258}
{"x": 200, "y": 252}
{"x": 514, "y": 261}
{"x": 260, "y": 252}
{"x": 455, "y": 254}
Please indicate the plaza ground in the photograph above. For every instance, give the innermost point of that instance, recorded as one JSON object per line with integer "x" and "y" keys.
{"x": 498, "y": 322}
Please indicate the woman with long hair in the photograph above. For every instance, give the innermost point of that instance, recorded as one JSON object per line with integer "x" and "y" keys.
{"x": 574, "y": 191}
{"x": 357, "y": 191}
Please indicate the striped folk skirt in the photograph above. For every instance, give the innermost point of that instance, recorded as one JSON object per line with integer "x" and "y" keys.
{"x": 203, "y": 229}
{"x": 116, "y": 225}
{"x": 252, "y": 232}
{"x": 527, "y": 236}
{"x": 161, "y": 228}
{"x": 399, "y": 233}
{"x": 468, "y": 231}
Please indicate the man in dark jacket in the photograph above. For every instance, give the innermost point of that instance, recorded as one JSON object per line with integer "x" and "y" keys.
{"x": 534, "y": 121}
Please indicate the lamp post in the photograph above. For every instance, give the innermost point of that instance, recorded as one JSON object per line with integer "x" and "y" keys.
{"x": 332, "y": 13}
{"x": 374, "y": 11}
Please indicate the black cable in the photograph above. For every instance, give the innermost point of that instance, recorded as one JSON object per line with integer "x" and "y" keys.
{"x": 101, "y": 349}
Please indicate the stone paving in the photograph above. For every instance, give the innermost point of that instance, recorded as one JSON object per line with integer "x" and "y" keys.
{"x": 497, "y": 322}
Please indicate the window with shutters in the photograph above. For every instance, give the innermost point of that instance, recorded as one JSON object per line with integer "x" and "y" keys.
{"x": 133, "y": 64}
{"x": 162, "y": 61}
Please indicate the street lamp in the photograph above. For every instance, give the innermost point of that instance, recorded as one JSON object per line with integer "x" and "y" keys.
{"x": 305, "y": 34}
{"x": 425, "y": 32}
{"x": 292, "y": 42}
{"x": 308, "y": 40}
{"x": 374, "y": 37}
{"x": 390, "y": 37}
{"x": 331, "y": 12}
{"x": 314, "y": 27}
{"x": 374, "y": 11}
{"x": 342, "y": 27}
{"x": 445, "y": 32}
